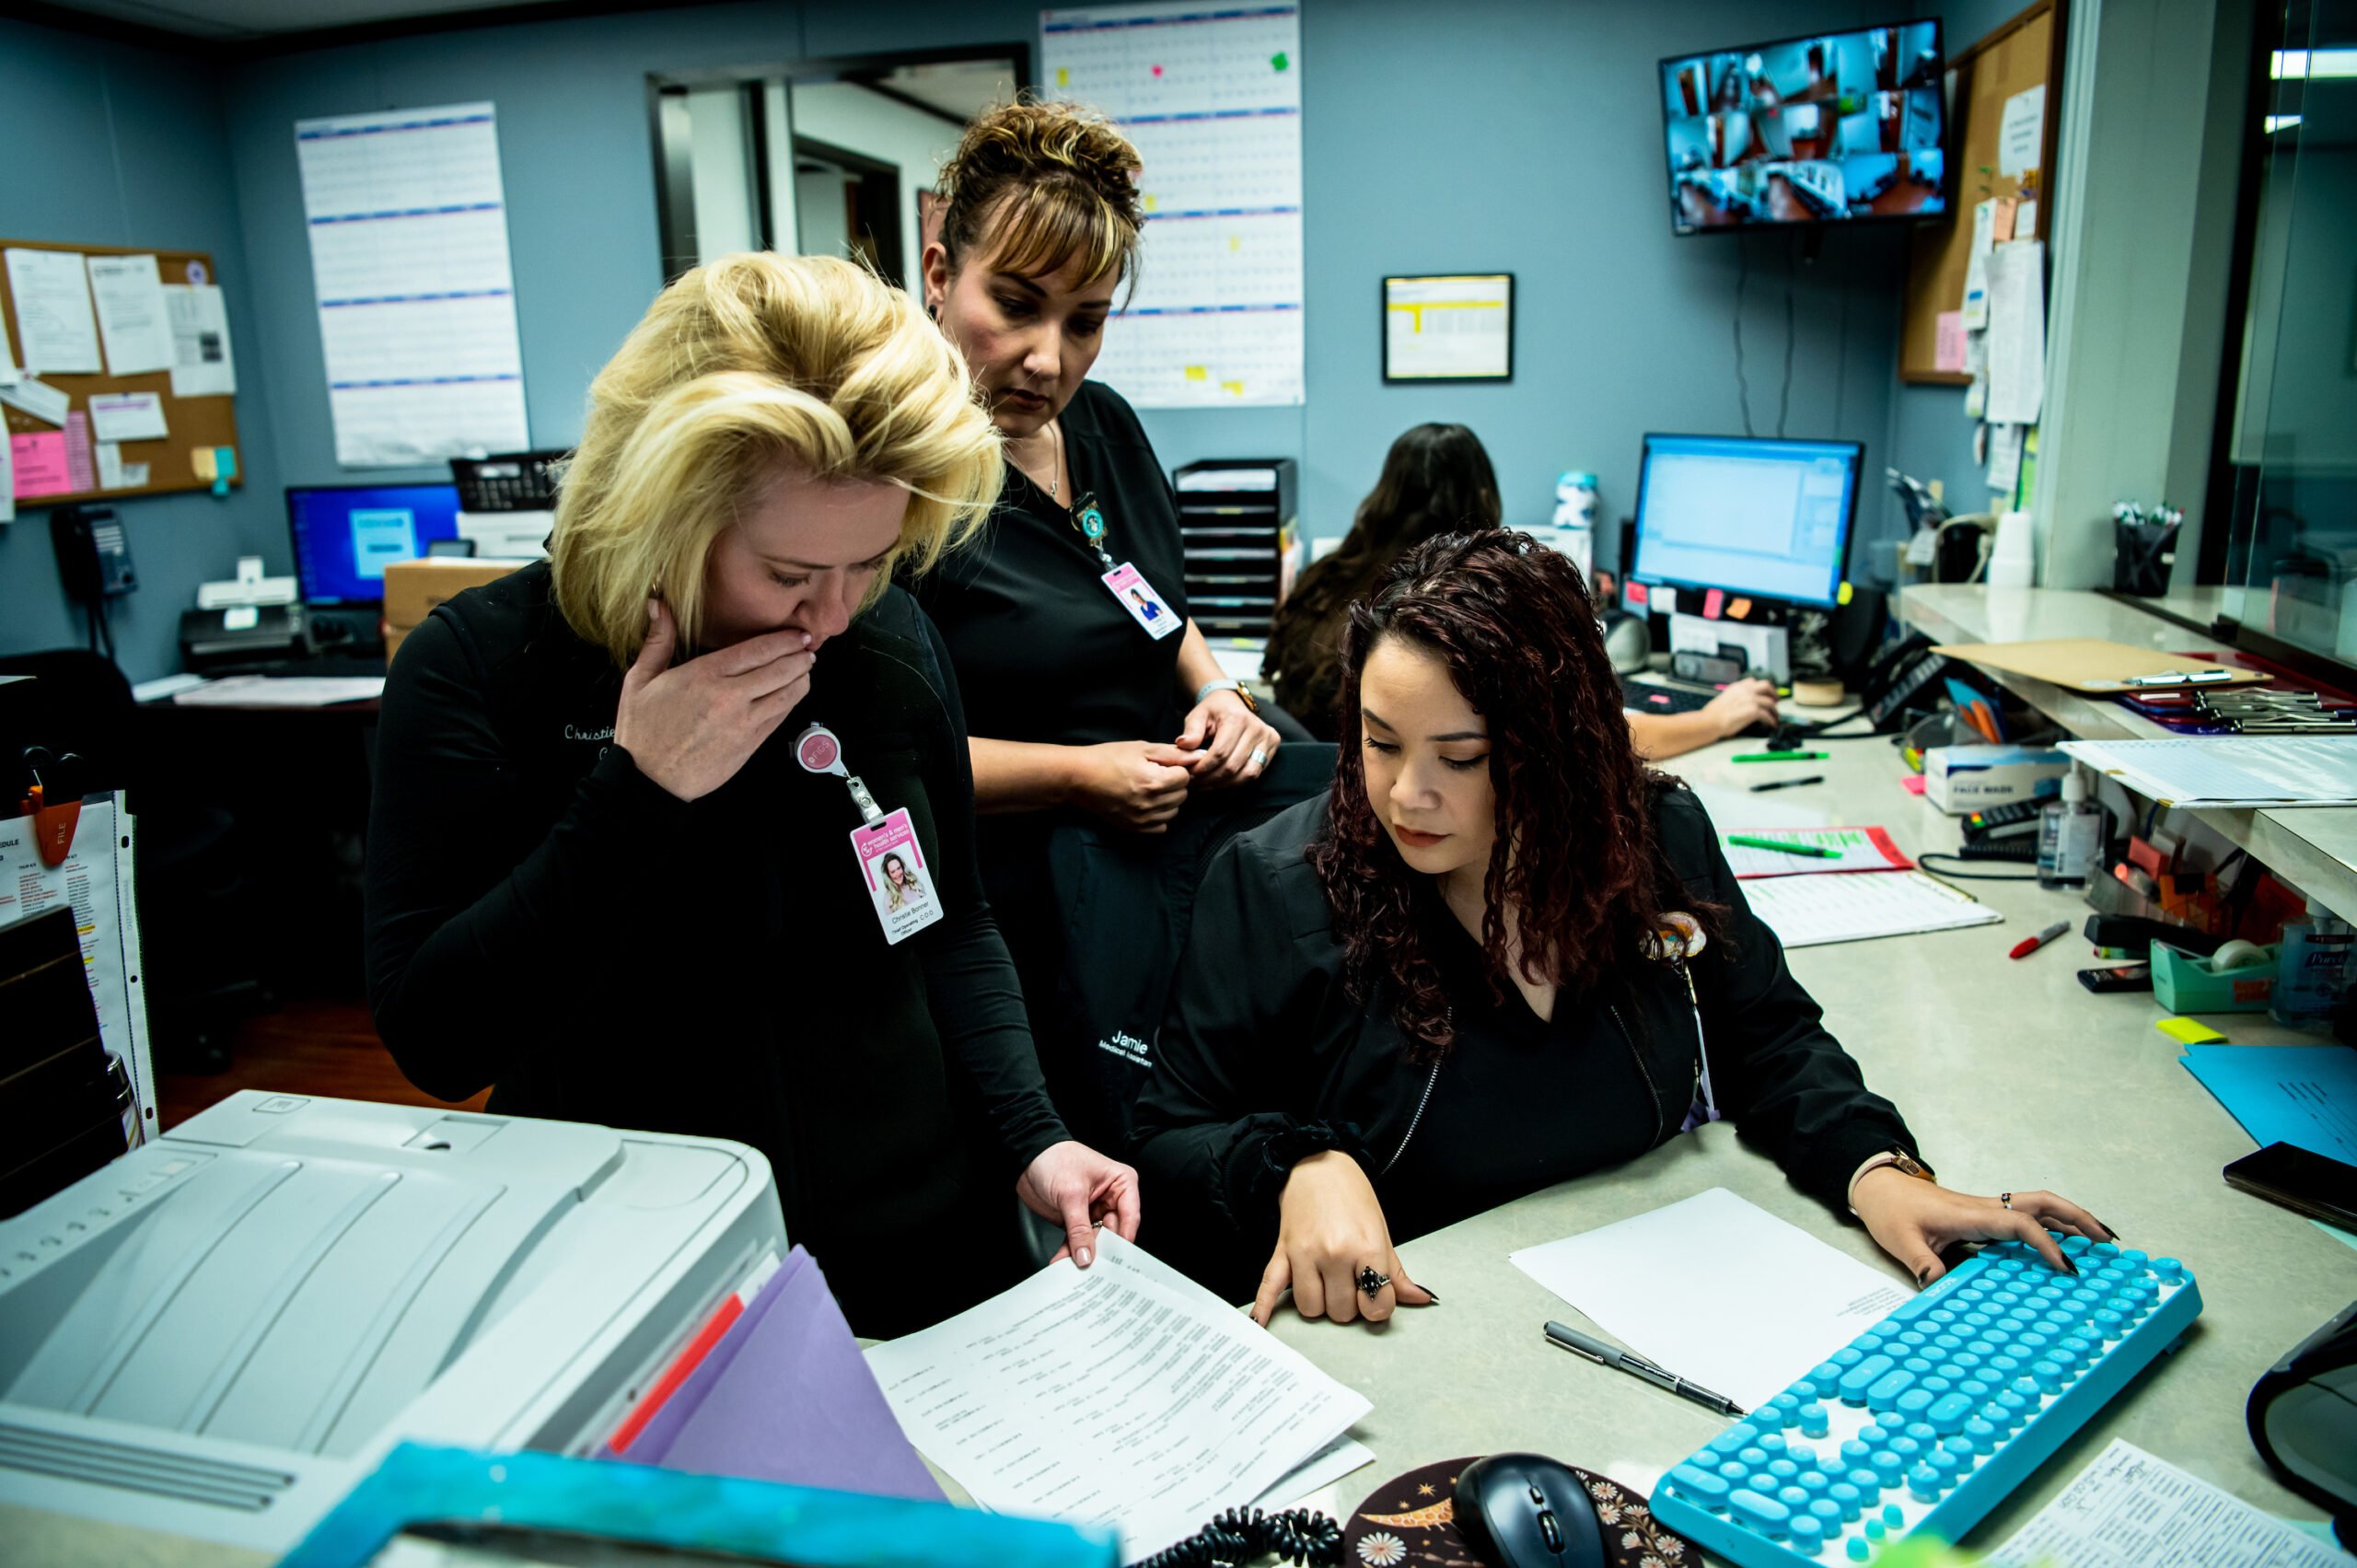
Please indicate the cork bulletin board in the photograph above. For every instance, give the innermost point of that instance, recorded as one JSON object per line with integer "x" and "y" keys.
{"x": 196, "y": 428}
{"x": 2026, "y": 52}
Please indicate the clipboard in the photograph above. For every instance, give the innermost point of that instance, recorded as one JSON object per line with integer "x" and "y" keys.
{"x": 2101, "y": 669}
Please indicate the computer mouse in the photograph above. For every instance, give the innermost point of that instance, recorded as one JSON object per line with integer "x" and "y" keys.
{"x": 1784, "y": 737}
{"x": 1527, "y": 1511}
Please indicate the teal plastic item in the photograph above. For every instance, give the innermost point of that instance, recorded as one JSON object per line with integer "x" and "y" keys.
{"x": 754, "y": 1521}
{"x": 1931, "y": 1417}
{"x": 2183, "y": 982}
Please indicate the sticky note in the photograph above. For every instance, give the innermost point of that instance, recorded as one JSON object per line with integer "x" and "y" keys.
{"x": 1199, "y": 373}
{"x": 1277, "y": 61}
{"x": 200, "y": 459}
{"x": 1713, "y": 601}
{"x": 1948, "y": 355}
{"x": 1845, "y": 595}
{"x": 39, "y": 460}
{"x": 1064, "y": 76}
{"x": 1913, "y": 784}
{"x": 1738, "y": 608}
{"x": 2186, "y": 1031}
{"x": 1236, "y": 387}
{"x": 1634, "y": 593}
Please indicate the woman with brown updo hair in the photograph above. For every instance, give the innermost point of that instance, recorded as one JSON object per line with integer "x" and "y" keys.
{"x": 1501, "y": 954}
{"x": 1083, "y": 694}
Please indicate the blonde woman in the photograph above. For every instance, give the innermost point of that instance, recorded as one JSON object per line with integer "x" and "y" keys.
{"x": 604, "y": 879}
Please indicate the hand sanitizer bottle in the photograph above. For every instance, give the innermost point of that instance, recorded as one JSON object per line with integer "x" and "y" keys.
{"x": 2313, "y": 976}
{"x": 2069, "y": 836}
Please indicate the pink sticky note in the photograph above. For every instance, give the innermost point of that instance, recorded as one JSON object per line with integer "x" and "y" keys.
{"x": 39, "y": 459}
{"x": 1913, "y": 784}
{"x": 1949, "y": 354}
{"x": 1634, "y": 594}
{"x": 1713, "y": 601}
{"x": 79, "y": 470}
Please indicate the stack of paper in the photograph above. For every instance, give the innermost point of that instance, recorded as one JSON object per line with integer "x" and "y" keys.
{"x": 2128, "y": 1509}
{"x": 2231, "y": 769}
{"x": 1121, "y": 1394}
{"x": 1806, "y": 911}
{"x": 283, "y": 692}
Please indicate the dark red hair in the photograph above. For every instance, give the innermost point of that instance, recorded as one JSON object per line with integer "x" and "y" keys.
{"x": 1576, "y": 856}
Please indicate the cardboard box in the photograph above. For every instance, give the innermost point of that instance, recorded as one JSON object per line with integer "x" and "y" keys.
{"x": 414, "y": 587}
{"x": 1961, "y": 779}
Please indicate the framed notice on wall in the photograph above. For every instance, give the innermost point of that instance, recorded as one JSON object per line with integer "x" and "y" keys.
{"x": 1450, "y": 327}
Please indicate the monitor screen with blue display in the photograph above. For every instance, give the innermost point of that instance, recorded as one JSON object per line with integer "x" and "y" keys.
{"x": 1769, "y": 518}
{"x": 346, "y": 534}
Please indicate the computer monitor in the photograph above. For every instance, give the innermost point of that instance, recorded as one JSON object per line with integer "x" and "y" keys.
{"x": 1767, "y": 518}
{"x": 345, "y": 535}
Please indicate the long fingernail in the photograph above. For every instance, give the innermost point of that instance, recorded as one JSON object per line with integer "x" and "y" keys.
{"x": 2108, "y": 1231}
{"x": 1433, "y": 1295}
{"x": 2068, "y": 1266}
{"x": 1922, "y": 1278}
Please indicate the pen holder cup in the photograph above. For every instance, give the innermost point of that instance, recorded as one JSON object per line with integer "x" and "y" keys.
{"x": 2185, "y": 983}
{"x": 2145, "y": 554}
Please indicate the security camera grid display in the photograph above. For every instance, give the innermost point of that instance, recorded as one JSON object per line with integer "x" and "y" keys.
{"x": 1821, "y": 129}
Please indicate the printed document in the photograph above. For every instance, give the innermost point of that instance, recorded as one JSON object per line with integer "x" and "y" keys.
{"x": 1658, "y": 1282}
{"x": 54, "y": 325}
{"x": 2131, "y": 1510}
{"x": 1121, "y": 1394}
{"x": 130, "y": 295}
{"x": 1805, "y": 912}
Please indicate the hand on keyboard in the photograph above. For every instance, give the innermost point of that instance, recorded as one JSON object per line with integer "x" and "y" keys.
{"x": 1914, "y": 1221}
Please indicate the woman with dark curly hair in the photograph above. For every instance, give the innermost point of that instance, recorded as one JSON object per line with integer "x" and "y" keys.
{"x": 1501, "y": 954}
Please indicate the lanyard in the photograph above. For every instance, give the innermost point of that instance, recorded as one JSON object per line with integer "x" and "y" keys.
{"x": 1089, "y": 519}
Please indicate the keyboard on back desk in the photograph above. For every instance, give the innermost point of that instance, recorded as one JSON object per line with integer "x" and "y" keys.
{"x": 1923, "y": 1424}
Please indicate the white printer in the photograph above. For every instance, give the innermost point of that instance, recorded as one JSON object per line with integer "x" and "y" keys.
{"x": 220, "y": 1333}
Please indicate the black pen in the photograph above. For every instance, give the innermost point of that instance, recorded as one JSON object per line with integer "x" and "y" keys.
{"x": 1787, "y": 783}
{"x": 1636, "y": 1365}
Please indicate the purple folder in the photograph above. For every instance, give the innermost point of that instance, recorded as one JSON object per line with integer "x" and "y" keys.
{"x": 786, "y": 1396}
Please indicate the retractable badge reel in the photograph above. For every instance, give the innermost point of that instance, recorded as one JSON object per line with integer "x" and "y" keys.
{"x": 1681, "y": 939}
{"x": 891, "y": 862}
{"x": 1123, "y": 579}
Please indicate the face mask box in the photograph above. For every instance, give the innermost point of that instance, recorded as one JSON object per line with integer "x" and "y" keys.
{"x": 1961, "y": 779}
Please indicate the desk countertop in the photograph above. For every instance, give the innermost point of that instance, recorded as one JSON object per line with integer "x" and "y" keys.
{"x": 2313, "y": 848}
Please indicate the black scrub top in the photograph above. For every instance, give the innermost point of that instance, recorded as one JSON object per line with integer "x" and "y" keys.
{"x": 1044, "y": 652}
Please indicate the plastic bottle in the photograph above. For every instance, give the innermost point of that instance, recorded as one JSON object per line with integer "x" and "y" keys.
{"x": 2315, "y": 970}
{"x": 2069, "y": 836}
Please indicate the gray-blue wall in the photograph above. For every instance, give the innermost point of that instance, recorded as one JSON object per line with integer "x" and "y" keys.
{"x": 1521, "y": 136}
{"x": 111, "y": 144}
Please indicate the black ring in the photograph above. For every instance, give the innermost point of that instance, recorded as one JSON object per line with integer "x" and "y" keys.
{"x": 1371, "y": 1283}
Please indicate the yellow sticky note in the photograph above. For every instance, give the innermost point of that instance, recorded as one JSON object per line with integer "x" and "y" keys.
{"x": 1064, "y": 76}
{"x": 202, "y": 460}
{"x": 1199, "y": 373}
{"x": 1235, "y": 387}
{"x": 1235, "y": 242}
{"x": 2186, "y": 1031}
{"x": 1843, "y": 597}
{"x": 1153, "y": 203}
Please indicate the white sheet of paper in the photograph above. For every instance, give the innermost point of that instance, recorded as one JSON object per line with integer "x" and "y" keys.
{"x": 1807, "y": 912}
{"x": 129, "y": 293}
{"x": 283, "y": 692}
{"x": 2005, "y": 458}
{"x": 95, "y": 880}
{"x": 408, "y": 224}
{"x": 1323, "y": 1469}
{"x": 203, "y": 365}
{"x": 2242, "y": 770}
{"x": 2021, "y": 135}
{"x": 1976, "y": 267}
{"x": 1110, "y": 1395}
{"x": 36, "y": 397}
{"x": 127, "y": 416}
{"x": 8, "y": 480}
{"x": 54, "y": 322}
{"x": 1658, "y": 1282}
{"x": 2128, "y": 1509}
{"x": 2016, "y": 333}
{"x": 109, "y": 465}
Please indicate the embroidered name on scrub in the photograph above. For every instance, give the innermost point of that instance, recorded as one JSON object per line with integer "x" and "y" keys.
{"x": 891, "y": 863}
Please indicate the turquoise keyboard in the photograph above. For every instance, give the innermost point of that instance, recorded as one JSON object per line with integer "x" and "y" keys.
{"x": 1924, "y": 1422}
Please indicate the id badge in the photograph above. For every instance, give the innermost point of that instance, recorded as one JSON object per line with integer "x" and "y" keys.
{"x": 898, "y": 881}
{"x": 1134, "y": 593}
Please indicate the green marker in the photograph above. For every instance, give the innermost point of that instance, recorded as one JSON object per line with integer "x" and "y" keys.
{"x": 1749, "y": 842}
{"x": 1782, "y": 756}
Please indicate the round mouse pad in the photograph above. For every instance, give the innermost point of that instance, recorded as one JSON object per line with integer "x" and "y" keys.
{"x": 1411, "y": 1523}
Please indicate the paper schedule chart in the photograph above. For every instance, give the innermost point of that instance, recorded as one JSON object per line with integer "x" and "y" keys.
{"x": 1211, "y": 97}
{"x": 408, "y": 225}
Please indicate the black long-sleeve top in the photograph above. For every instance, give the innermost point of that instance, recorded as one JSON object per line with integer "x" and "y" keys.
{"x": 1265, "y": 1055}
{"x": 544, "y": 918}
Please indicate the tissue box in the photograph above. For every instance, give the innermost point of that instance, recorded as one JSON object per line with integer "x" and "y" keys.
{"x": 1958, "y": 779}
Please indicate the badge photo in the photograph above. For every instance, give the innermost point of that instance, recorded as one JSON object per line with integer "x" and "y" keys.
{"x": 1128, "y": 586}
{"x": 899, "y": 882}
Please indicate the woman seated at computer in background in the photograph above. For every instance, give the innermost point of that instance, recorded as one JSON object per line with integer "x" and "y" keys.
{"x": 606, "y": 877}
{"x": 1437, "y": 479}
{"x": 1491, "y": 960}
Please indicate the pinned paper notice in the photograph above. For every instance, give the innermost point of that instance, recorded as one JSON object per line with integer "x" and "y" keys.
{"x": 40, "y": 460}
{"x": 36, "y": 397}
{"x": 130, "y": 295}
{"x": 127, "y": 416}
{"x": 1976, "y": 266}
{"x": 203, "y": 365}
{"x": 2021, "y": 136}
{"x": 109, "y": 465}
{"x": 56, "y": 329}
{"x": 1949, "y": 354}
{"x": 2005, "y": 458}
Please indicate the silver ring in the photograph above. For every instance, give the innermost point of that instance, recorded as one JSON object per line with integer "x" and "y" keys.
{"x": 1260, "y": 759}
{"x": 1372, "y": 1281}
{"x": 2004, "y": 1200}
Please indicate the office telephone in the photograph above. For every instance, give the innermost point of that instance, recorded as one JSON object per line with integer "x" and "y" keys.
{"x": 92, "y": 554}
{"x": 1896, "y": 680}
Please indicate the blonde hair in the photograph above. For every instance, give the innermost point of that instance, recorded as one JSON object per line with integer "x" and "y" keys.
{"x": 1037, "y": 185}
{"x": 740, "y": 365}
